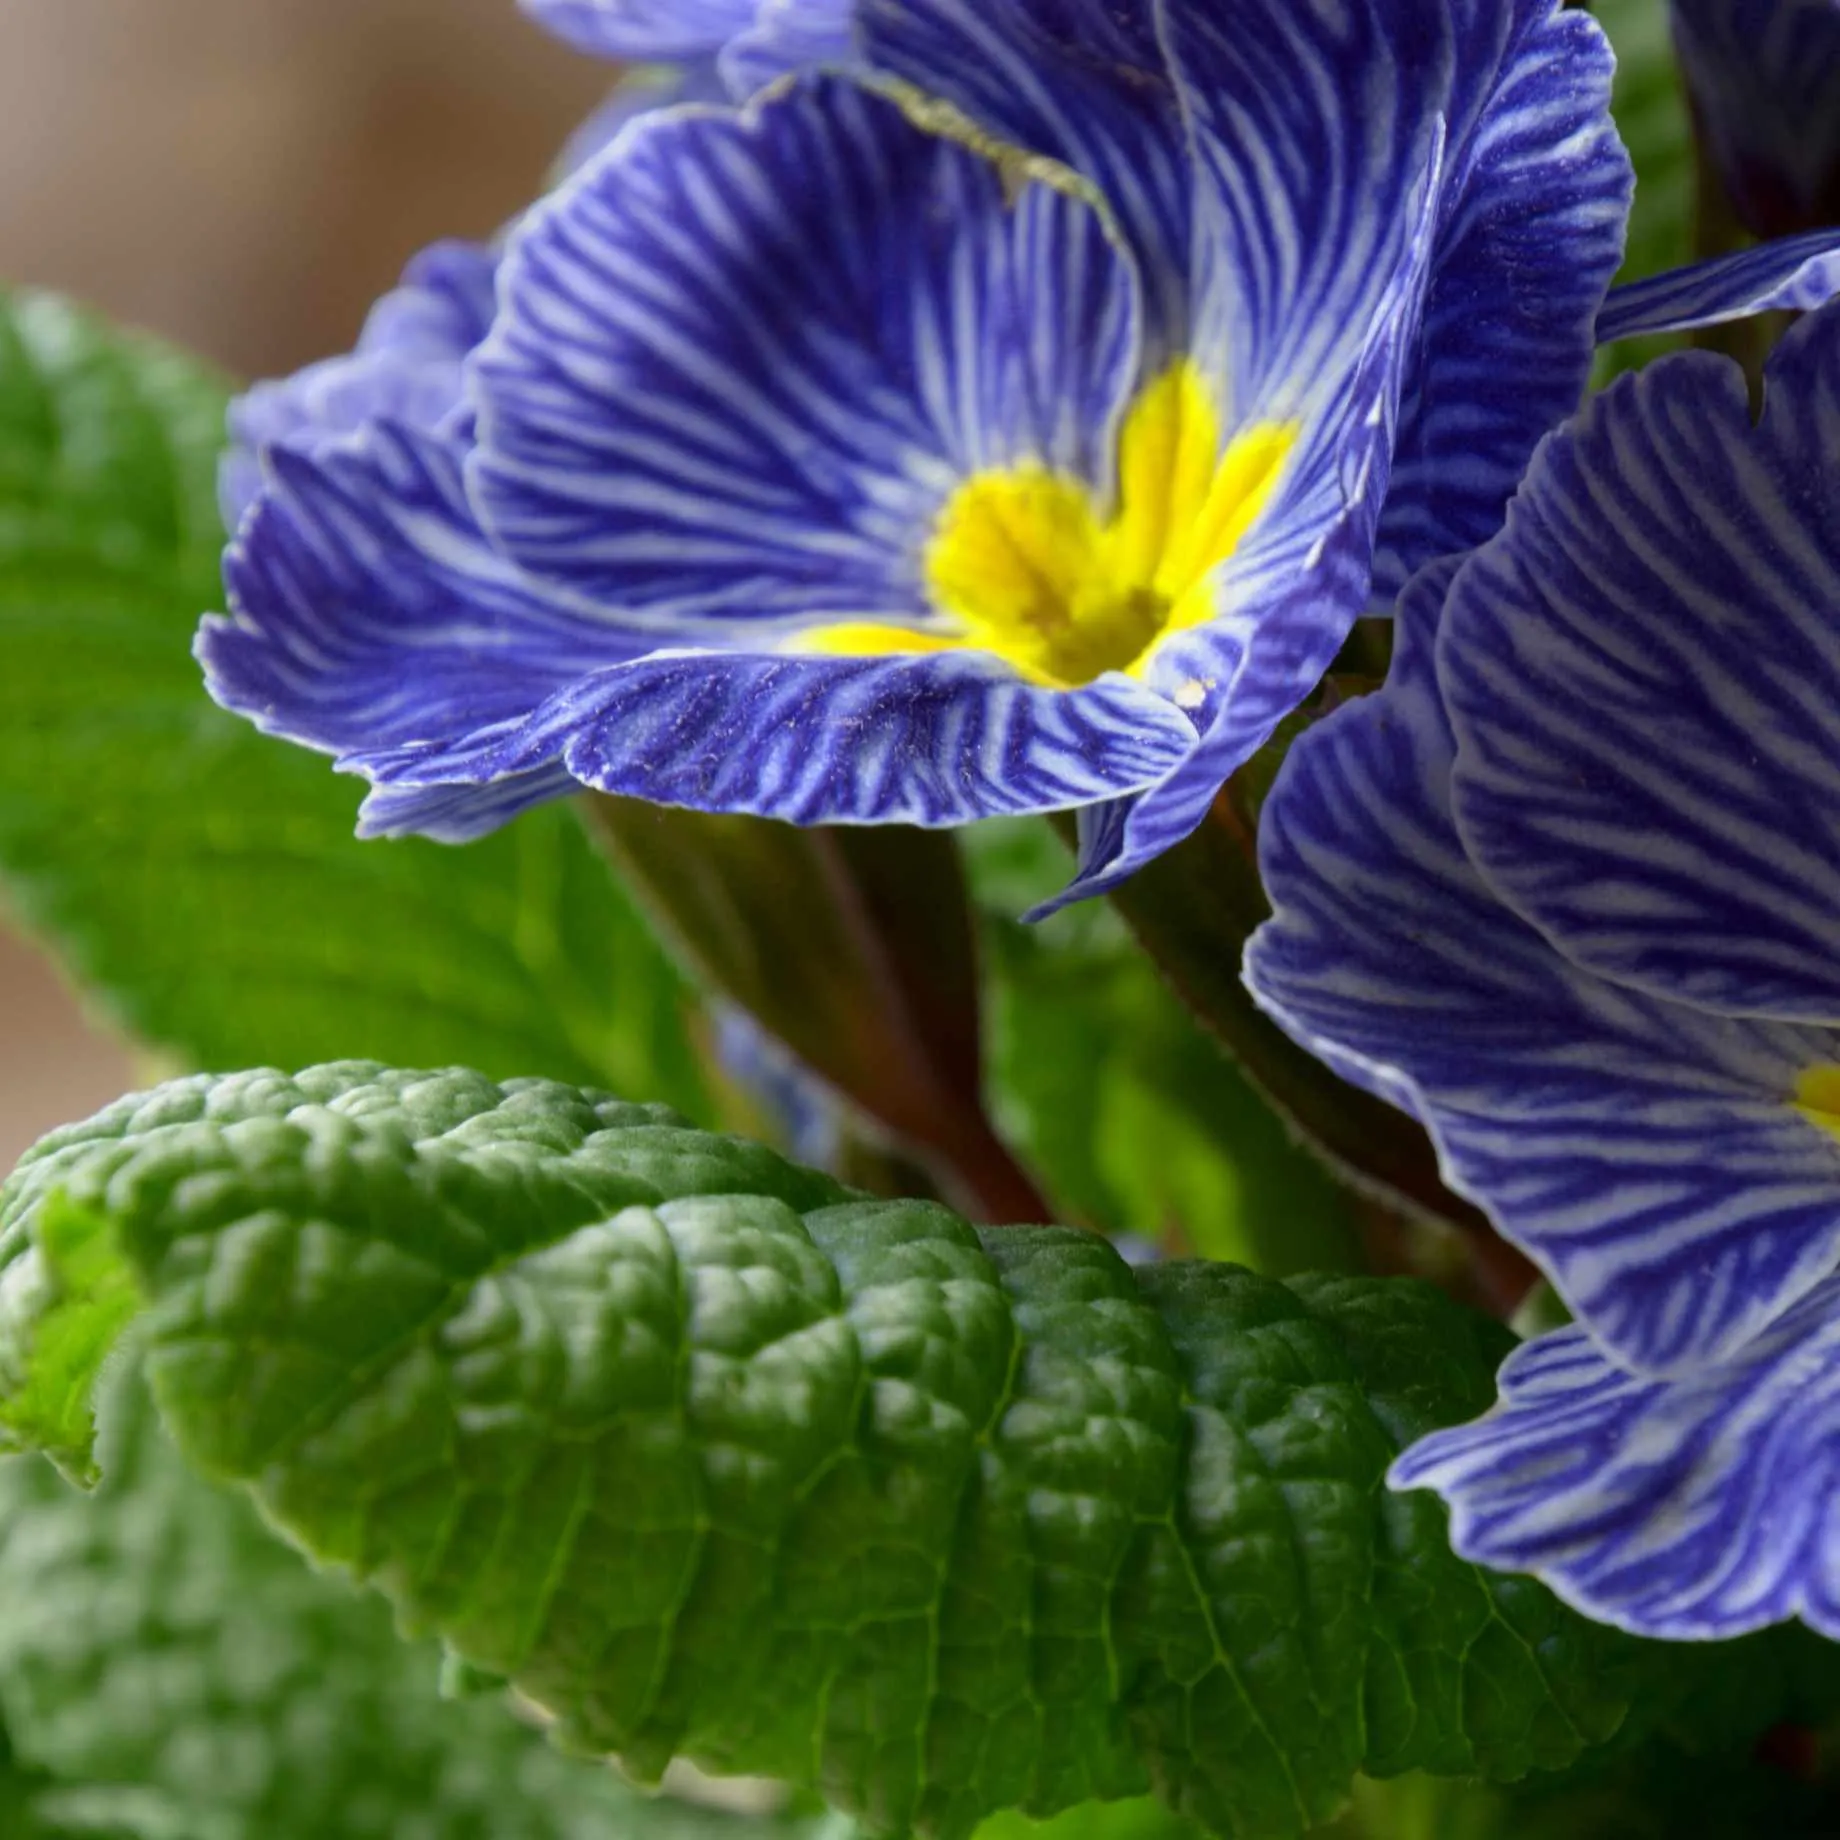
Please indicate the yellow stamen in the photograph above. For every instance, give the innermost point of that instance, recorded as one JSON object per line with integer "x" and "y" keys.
{"x": 1025, "y": 565}
{"x": 1817, "y": 1097}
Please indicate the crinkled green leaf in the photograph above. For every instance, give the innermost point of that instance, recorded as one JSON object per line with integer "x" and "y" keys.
{"x": 1129, "y": 1112}
{"x": 167, "y": 1667}
{"x": 203, "y": 881}
{"x": 1143, "y": 1819}
{"x": 714, "y": 1459}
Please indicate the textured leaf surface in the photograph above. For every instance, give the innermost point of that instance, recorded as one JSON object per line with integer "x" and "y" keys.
{"x": 202, "y": 880}
{"x": 168, "y": 1667}
{"x": 715, "y": 1459}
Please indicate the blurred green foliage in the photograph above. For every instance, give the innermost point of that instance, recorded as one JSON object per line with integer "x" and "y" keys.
{"x": 1652, "y": 117}
{"x": 202, "y": 881}
{"x": 1130, "y": 1113}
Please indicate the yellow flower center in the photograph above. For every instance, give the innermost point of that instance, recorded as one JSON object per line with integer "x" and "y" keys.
{"x": 1817, "y": 1097}
{"x": 1028, "y": 567}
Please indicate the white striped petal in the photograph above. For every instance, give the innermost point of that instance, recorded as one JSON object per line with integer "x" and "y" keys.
{"x": 1794, "y": 274}
{"x": 368, "y": 613}
{"x": 1645, "y": 1153}
{"x": 1644, "y": 678}
{"x": 936, "y": 741}
{"x": 1084, "y": 82}
{"x": 1691, "y": 1508}
{"x": 1528, "y": 247}
{"x": 406, "y": 366}
{"x": 1405, "y": 218}
{"x": 745, "y": 360}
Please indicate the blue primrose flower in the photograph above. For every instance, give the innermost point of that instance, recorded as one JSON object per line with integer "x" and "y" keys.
{"x": 1565, "y": 891}
{"x": 852, "y": 458}
{"x": 1764, "y": 76}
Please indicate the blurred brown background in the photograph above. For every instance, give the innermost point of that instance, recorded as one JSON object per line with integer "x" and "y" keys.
{"x": 244, "y": 176}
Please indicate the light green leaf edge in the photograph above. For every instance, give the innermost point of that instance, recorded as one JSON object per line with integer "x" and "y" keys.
{"x": 715, "y": 1459}
{"x": 200, "y": 881}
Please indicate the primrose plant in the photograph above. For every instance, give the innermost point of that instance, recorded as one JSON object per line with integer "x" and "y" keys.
{"x": 1317, "y": 1312}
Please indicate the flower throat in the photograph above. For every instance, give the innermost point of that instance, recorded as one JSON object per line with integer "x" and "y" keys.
{"x": 1027, "y": 567}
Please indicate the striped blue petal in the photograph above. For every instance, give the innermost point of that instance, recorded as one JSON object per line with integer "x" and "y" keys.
{"x": 940, "y": 740}
{"x": 1797, "y": 274}
{"x": 371, "y": 620}
{"x": 638, "y": 92}
{"x": 936, "y": 741}
{"x": 1645, "y": 1153}
{"x": 1530, "y": 241}
{"x": 789, "y": 35}
{"x": 1378, "y": 187}
{"x": 369, "y": 614}
{"x": 746, "y": 359}
{"x": 460, "y": 811}
{"x": 1693, "y": 1508}
{"x": 1084, "y": 82}
{"x": 406, "y": 365}
{"x": 1765, "y": 80}
{"x": 643, "y": 31}
{"x": 1644, "y": 677}
{"x": 1287, "y": 599}
{"x": 1314, "y": 129}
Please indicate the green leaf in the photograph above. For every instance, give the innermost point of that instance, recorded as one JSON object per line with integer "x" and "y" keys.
{"x": 203, "y": 881}
{"x": 1143, "y": 1819}
{"x": 167, "y": 1667}
{"x": 21, "y": 1789}
{"x": 1655, "y": 1793}
{"x": 714, "y": 1459}
{"x": 1191, "y": 912}
{"x": 1131, "y": 1114}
